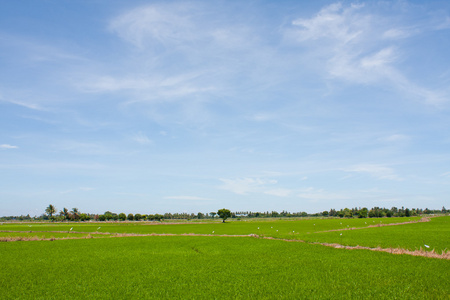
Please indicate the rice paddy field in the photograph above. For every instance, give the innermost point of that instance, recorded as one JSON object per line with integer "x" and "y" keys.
{"x": 270, "y": 259}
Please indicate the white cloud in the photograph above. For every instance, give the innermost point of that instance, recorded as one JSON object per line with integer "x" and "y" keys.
{"x": 187, "y": 198}
{"x": 382, "y": 58}
{"x": 141, "y": 138}
{"x": 168, "y": 24}
{"x": 394, "y": 138}
{"x": 243, "y": 186}
{"x": 25, "y": 104}
{"x": 315, "y": 195}
{"x": 375, "y": 170}
{"x": 356, "y": 45}
{"x": 279, "y": 192}
{"x": 331, "y": 22}
{"x": 7, "y": 146}
{"x": 396, "y": 33}
{"x": 86, "y": 189}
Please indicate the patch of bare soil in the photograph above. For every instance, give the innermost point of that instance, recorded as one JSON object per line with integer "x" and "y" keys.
{"x": 444, "y": 255}
{"x": 37, "y": 238}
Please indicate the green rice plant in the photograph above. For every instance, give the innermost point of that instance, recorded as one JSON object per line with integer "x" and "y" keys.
{"x": 191, "y": 267}
{"x": 24, "y": 236}
{"x": 280, "y": 228}
{"x": 432, "y": 235}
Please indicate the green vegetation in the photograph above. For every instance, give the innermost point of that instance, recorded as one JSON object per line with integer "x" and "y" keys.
{"x": 435, "y": 234}
{"x": 76, "y": 215}
{"x": 224, "y": 214}
{"x": 202, "y": 267}
{"x": 279, "y": 228}
{"x": 205, "y": 267}
{"x": 6, "y": 236}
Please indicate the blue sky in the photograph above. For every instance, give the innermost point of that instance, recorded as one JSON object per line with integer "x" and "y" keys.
{"x": 166, "y": 106}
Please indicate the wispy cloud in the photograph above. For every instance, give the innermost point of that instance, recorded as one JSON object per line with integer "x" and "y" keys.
{"x": 358, "y": 46}
{"x": 375, "y": 170}
{"x": 29, "y": 105}
{"x": 279, "y": 192}
{"x": 7, "y": 146}
{"x": 189, "y": 198}
{"x": 395, "y": 138}
{"x": 141, "y": 138}
{"x": 243, "y": 186}
{"x": 314, "y": 194}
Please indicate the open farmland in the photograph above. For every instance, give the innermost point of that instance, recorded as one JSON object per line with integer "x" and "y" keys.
{"x": 282, "y": 228}
{"x": 218, "y": 266}
{"x": 212, "y": 267}
{"x": 435, "y": 234}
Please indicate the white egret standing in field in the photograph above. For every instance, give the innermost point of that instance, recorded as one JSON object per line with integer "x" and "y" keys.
{"x": 98, "y": 228}
{"x": 426, "y": 246}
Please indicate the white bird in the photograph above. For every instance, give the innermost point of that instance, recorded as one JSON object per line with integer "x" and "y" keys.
{"x": 213, "y": 231}
{"x": 271, "y": 227}
{"x": 341, "y": 233}
{"x": 71, "y": 228}
{"x": 426, "y": 246}
{"x": 258, "y": 227}
{"x": 277, "y": 230}
{"x": 98, "y": 228}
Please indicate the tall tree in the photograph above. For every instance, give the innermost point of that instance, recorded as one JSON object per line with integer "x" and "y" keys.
{"x": 65, "y": 213}
{"x": 224, "y": 214}
{"x": 50, "y": 210}
{"x": 75, "y": 213}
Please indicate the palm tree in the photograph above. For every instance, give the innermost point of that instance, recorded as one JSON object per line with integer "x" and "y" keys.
{"x": 65, "y": 213}
{"x": 50, "y": 210}
{"x": 75, "y": 213}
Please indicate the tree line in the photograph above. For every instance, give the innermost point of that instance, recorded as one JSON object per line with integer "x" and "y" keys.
{"x": 65, "y": 214}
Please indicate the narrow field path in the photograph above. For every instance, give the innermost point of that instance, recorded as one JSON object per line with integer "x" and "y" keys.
{"x": 424, "y": 219}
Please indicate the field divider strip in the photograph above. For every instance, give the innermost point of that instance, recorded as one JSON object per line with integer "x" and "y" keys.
{"x": 424, "y": 219}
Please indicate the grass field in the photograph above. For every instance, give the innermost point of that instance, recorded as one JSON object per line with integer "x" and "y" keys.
{"x": 274, "y": 227}
{"x": 219, "y": 267}
{"x": 212, "y": 267}
{"x": 435, "y": 234}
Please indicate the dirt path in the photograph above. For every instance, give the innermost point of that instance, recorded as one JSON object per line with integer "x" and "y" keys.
{"x": 424, "y": 219}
